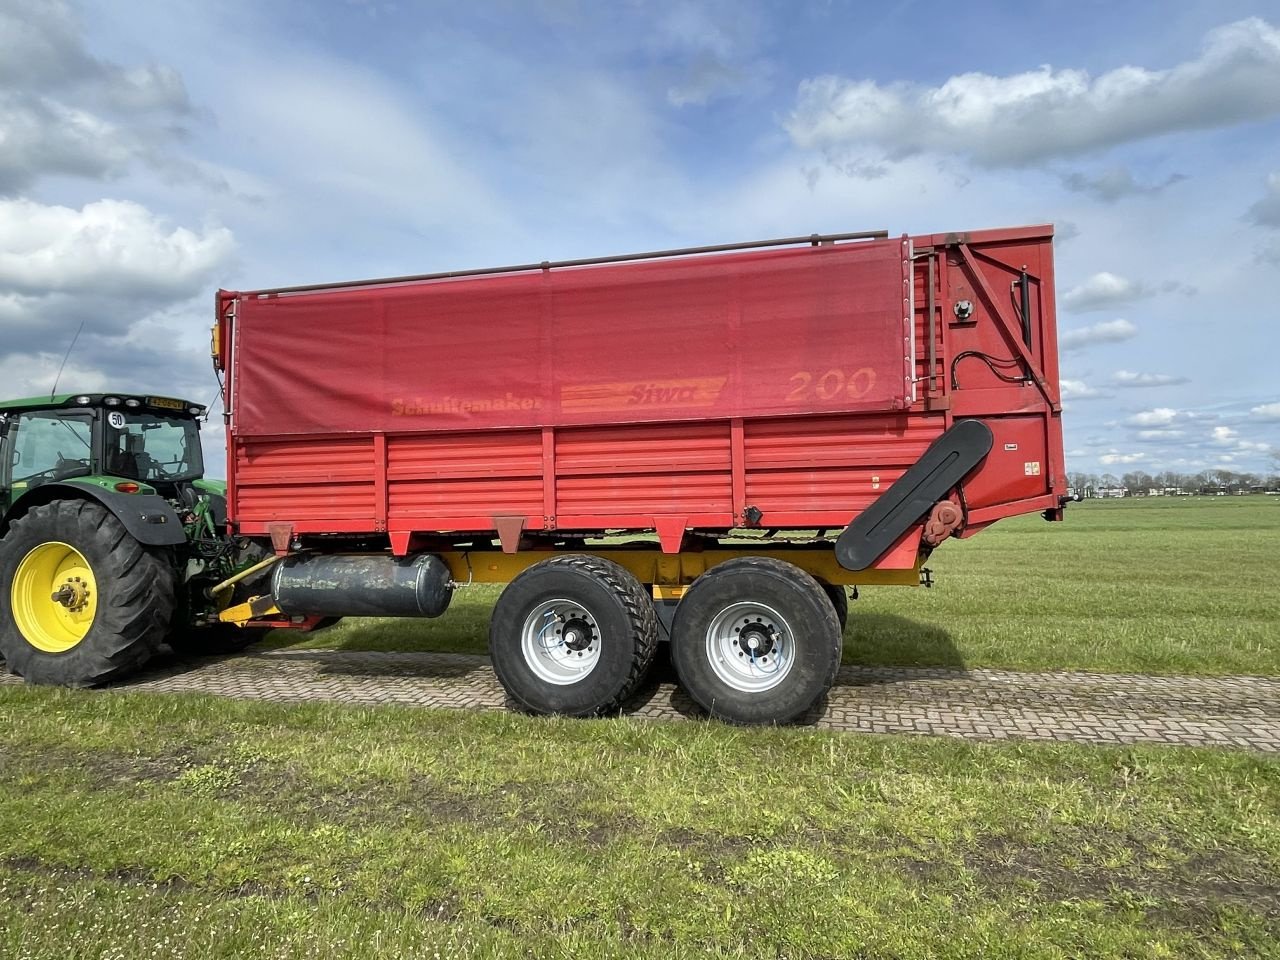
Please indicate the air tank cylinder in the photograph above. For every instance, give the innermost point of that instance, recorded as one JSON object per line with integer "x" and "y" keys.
{"x": 362, "y": 585}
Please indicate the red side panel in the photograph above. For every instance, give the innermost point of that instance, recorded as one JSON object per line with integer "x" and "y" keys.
{"x": 787, "y": 387}
{"x": 317, "y": 478}
{"x": 751, "y": 334}
{"x": 793, "y": 466}
{"x": 464, "y": 475}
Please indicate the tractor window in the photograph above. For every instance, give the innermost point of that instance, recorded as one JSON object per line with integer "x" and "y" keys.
{"x": 49, "y": 445}
{"x": 152, "y": 449}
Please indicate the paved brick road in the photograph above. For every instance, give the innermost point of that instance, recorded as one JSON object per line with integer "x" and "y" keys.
{"x": 1241, "y": 712}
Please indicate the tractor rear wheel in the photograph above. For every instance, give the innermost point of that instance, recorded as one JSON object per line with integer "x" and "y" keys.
{"x": 81, "y": 601}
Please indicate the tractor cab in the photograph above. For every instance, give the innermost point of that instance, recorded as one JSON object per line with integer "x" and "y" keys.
{"x": 129, "y": 442}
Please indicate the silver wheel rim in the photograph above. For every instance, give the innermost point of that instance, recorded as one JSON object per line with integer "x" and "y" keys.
{"x": 560, "y": 641}
{"x": 750, "y": 646}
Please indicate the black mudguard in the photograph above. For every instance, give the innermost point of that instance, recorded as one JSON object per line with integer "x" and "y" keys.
{"x": 948, "y": 460}
{"x": 150, "y": 519}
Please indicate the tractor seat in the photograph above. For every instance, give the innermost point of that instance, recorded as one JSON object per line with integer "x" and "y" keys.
{"x": 66, "y": 469}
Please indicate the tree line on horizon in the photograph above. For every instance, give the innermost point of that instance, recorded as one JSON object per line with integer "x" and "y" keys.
{"x": 1139, "y": 483}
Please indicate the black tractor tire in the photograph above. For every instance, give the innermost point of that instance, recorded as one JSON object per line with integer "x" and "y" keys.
{"x": 839, "y": 597}
{"x": 572, "y": 608}
{"x": 756, "y": 641}
{"x": 135, "y": 588}
{"x": 215, "y": 640}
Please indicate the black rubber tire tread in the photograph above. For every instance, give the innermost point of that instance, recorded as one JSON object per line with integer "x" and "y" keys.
{"x": 839, "y": 597}
{"x": 136, "y": 596}
{"x": 810, "y": 611}
{"x": 622, "y": 608}
{"x": 214, "y": 640}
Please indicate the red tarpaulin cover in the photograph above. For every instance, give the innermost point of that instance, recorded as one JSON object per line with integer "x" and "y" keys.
{"x": 795, "y": 331}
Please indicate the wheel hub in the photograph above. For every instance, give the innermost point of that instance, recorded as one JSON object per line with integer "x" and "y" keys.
{"x": 577, "y": 634}
{"x": 750, "y": 646}
{"x": 560, "y": 641}
{"x": 756, "y": 640}
{"x": 73, "y": 594}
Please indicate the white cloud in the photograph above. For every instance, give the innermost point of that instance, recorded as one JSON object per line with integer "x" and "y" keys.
{"x": 1266, "y": 212}
{"x": 1230, "y": 438}
{"x": 42, "y": 48}
{"x": 1159, "y": 417}
{"x": 1079, "y": 390}
{"x": 106, "y": 248}
{"x": 63, "y": 111}
{"x": 1128, "y": 378}
{"x": 1030, "y": 117}
{"x": 1161, "y": 434}
{"x": 1115, "y": 457}
{"x": 1115, "y": 183}
{"x": 1109, "y": 331}
{"x": 1266, "y": 411}
{"x": 47, "y": 137}
{"x": 123, "y": 273}
{"x": 34, "y": 374}
{"x": 1103, "y": 290}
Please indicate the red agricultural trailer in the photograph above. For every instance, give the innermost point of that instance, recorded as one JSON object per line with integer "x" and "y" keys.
{"x": 706, "y": 446}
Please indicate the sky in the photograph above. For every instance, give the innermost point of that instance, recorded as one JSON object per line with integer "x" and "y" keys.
{"x": 151, "y": 152}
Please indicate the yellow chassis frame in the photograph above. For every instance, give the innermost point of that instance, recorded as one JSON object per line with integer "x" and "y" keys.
{"x": 669, "y": 573}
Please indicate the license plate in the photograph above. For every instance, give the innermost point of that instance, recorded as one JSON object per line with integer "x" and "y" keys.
{"x": 166, "y": 403}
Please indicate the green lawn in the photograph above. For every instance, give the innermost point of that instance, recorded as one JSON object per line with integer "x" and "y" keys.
{"x": 166, "y": 826}
{"x": 1160, "y": 585}
{"x": 176, "y": 826}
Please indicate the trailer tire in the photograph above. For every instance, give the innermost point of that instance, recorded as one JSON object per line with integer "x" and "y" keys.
{"x": 81, "y": 601}
{"x": 756, "y": 641}
{"x": 572, "y": 635}
{"x": 839, "y": 597}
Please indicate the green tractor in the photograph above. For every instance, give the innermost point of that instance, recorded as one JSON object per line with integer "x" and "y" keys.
{"x": 112, "y": 542}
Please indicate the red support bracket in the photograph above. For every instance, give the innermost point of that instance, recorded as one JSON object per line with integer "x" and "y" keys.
{"x": 670, "y": 532}
{"x": 1010, "y": 330}
{"x": 281, "y": 537}
{"x": 401, "y": 540}
{"x": 509, "y": 530}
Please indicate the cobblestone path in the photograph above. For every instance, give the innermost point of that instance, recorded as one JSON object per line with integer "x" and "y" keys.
{"x": 1240, "y": 712}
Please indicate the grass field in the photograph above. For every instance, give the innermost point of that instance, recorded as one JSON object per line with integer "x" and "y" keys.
{"x": 149, "y": 826}
{"x": 1160, "y": 585}
{"x": 176, "y": 826}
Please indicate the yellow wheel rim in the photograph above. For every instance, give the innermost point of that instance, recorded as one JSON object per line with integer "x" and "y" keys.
{"x": 54, "y": 597}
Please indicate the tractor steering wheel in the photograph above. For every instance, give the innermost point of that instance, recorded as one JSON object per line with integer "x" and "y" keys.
{"x": 64, "y": 469}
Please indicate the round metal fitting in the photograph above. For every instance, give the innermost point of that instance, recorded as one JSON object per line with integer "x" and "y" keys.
{"x": 560, "y": 641}
{"x": 750, "y": 646}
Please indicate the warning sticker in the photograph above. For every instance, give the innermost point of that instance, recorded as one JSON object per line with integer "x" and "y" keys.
{"x": 1032, "y": 468}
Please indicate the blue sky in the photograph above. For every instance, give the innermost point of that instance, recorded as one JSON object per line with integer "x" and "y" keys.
{"x": 153, "y": 151}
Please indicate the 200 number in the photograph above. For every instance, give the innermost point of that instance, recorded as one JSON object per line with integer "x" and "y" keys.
{"x": 832, "y": 385}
